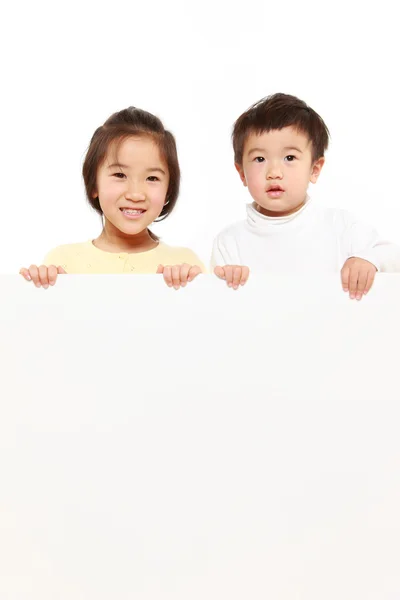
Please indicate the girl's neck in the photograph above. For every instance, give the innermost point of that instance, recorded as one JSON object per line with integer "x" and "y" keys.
{"x": 112, "y": 239}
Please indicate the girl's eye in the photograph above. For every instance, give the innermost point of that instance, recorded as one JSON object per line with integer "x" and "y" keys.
{"x": 259, "y": 159}
{"x": 290, "y": 158}
{"x": 119, "y": 175}
{"x": 153, "y": 178}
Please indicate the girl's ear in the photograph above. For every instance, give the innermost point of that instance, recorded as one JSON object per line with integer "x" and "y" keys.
{"x": 239, "y": 169}
{"x": 316, "y": 169}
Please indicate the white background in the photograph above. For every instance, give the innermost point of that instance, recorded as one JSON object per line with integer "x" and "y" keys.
{"x": 67, "y": 67}
{"x": 200, "y": 444}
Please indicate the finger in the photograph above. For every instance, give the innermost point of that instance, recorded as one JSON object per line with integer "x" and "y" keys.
{"x": 219, "y": 272}
{"x": 43, "y": 276}
{"x": 345, "y": 273}
{"x": 237, "y": 274}
{"x": 176, "y": 280}
{"x": 228, "y": 275}
{"x": 160, "y": 269}
{"x": 353, "y": 280}
{"x": 184, "y": 273}
{"x": 34, "y": 273}
{"x": 52, "y": 274}
{"x": 245, "y": 275}
{"x": 61, "y": 271}
{"x": 194, "y": 271}
{"x": 362, "y": 282}
{"x": 25, "y": 274}
{"x": 168, "y": 275}
{"x": 370, "y": 280}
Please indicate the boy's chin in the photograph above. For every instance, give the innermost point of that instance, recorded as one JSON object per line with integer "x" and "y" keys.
{"x": 277, "y": 208}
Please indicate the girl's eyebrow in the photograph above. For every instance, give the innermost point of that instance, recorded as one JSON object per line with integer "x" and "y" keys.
{"x": 114, "y": 165}
{"x": 156, "y": 169}
{"x": 119, "y": 166}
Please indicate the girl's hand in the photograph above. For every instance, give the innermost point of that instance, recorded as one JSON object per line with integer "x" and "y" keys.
{"x": 178, "y": 275}
{"x": 234, "y": 275}
{"x": 42, "y": 276}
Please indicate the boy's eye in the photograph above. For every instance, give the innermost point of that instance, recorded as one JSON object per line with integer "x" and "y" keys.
{"x": 259, "y": 159}
{"x": 119, "y": 175}
{"x": 153, "y": 178}
{"x": 290, "y": 158}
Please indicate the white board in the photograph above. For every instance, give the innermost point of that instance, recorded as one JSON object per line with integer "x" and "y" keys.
{"x": 199, "y": 444}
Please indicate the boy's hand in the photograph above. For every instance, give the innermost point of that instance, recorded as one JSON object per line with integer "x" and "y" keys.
{"x": 357, "y": 277}
{"x": 234, "y": 275}
{"x": 42, "y": 276}
{"x": 178, "y": 275}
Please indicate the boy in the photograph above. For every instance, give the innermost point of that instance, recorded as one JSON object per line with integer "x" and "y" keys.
{"x": 279, "y": 145}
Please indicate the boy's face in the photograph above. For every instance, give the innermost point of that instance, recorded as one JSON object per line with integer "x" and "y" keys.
{"x": 277, "y": 168}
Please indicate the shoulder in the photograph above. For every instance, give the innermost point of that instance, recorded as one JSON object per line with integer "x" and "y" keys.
{"x": 336, "y": 218}
{"x": 232, "y": 230}
{"x": 66, "y": 252}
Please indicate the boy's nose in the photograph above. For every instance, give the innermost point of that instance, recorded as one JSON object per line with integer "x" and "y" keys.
{"x": 274, "y": 172}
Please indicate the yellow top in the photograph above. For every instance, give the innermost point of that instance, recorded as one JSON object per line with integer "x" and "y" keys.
{"x": 85, "y": 258}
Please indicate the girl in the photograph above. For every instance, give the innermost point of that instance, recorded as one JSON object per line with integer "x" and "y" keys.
{"x": 131, "y": 174}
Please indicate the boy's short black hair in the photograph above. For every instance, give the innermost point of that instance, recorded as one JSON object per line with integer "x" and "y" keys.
{"x": 276, "y": 112}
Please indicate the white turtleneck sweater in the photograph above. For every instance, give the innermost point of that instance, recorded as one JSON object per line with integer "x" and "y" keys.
{"x": 312, "y": 239}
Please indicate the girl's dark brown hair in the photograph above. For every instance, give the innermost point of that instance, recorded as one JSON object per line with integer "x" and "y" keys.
{"x": 120, "y": 126}
{"x": 276, "y": 112}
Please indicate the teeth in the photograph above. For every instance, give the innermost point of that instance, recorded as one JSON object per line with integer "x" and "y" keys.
{"x": 130, "y": 211}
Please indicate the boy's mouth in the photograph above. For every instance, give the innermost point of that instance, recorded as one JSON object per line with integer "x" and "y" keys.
{"x": 275, "y": 191}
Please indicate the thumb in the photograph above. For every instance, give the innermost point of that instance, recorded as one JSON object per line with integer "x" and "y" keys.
{"x": 160, "y": 269}
{"x": 61, "y": 271}
{"x": 219, "y": 272}
{"x": 25, "y": 274}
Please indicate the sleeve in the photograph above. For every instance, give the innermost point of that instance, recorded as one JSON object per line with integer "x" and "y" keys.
{"x": 55, "y": 257}
{"x": 191, "y": 258}
{"x": 217, "y": 258}
{"x": 365, "y": 243}
{"x": 225, "y": 251}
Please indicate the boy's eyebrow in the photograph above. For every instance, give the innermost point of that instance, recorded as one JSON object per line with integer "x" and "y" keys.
{"x": 256, "y": 150}
{"x": 285, "y": 148}
{"x": 293, "y": 148}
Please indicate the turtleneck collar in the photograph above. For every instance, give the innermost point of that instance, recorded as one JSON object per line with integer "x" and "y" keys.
{"x": 259, "y": 222}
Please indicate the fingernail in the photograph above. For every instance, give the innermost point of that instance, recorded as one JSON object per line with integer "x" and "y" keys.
{"x": 29, "y": 278}
{"x": 45, "y": 286}
{"x": 358, "y": 296}
{"x": 352, "y": 296}
{"x": 229, "y": 285}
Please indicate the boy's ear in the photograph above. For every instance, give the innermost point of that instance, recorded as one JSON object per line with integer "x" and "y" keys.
{"x": 239, "y": 169}
{"x": 316, "y": 169}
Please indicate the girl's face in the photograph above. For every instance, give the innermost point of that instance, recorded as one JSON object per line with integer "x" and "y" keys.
{"x": 132, "y": 186}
